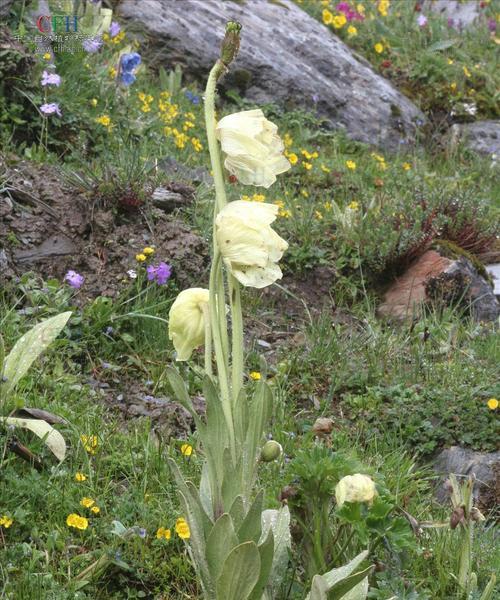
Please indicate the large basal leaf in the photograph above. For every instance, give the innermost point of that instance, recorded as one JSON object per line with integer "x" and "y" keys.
{"x": 50, "y": 436}
{"x": 279, "y": 522}
{"x": 342, "y": 582}
{"x": 240, "y": 573}
{"x": 266, "y": 551}
{"x": 220, "y": 542}
{"x": 29, "y": 347}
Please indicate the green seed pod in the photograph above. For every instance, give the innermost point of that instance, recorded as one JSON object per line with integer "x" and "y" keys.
{"x": 270, "y": 451}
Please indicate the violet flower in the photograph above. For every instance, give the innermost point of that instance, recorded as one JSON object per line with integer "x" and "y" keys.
{"x": 422, "y": 20}
{"x": 161, "y": 274}
{"x": 114, "y": 29}
{"x": 92, "y": 45}
{"x": 492, "y": 25}
{"x": 50, "y": 79}
{"x": 50, "y": 109}
{"x": 74, "y": 279}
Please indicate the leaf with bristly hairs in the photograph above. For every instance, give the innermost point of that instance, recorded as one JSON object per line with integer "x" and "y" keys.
{"x": 240, "y": 573}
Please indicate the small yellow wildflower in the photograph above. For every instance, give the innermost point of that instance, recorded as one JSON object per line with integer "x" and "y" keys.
{"x": 352, "y": 31}
{"x": 76, "y": 521}
{"x": 93, "y": 102}
{"x": 361, "y": 9}
{"x": 406, "y": 166}
{"x": 164, "y": 533}
{"x": 80, "y": 477}
{"x": 318, "y": 215}
{"x": 350, "y": 164}
{"x": 112, "y": 72}
{"x": 5, "y": 521}
{"x": 293, "y": 158}
{"x": 287, "y": 140}
{"x": 306, "y": 154}
{"x": 105, "y": 37}
{"x": 339, "y": 21}
{"x": 182, "y": 529}
{"x": 47, "y": 56}
{"x": 258, "y": 197}
{"x": 186, "y": 449}
{"x": 87, "y": 502}
{"x": 328, "y": 206}
{"x": 453, "y": 86}
{"x": 325, "y": 169}
{"x": 95, "y": 509}
{"x": 383, "y": 7}
{"x": 467, "y": 73}
{"x": 327, "y": 17}
{"x": 104, "y": 120}
{"x": 305, "y": 193}
{"x": 307, "y": 165}
{"x": 255, "y": 375}
{"x": 140, "y": 257}
{"x": 450, "y": 61}
{"x": 148, "y": 250}
{"x": 492, "y": 403}
{"x": 89, "y": 443}
{"x": 353, "y": 205}
{"x": 197, "y": 145}
{"x": 379, "y": 48}
{"x": 314, "y": 154}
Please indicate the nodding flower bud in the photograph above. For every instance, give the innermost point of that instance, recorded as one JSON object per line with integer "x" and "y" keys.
{"x": 271, "y": 450}
{"x": 230, "y": 43}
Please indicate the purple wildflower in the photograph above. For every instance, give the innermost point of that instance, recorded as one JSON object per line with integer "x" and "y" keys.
{"x": 451, "y": 22}
{"x": 127, "y": 78}
{"x": 349, "y": 13}
{"x": 422, "y": 20}
{"x": 114, "y": 29}
{"x": 92, "y": 45}
{"x": 192, "y": 97}
{"x": 74, "y": 279}
{"x": 51, "y": 108}
{"x": 161, "y": 274}
{"x": 142, "y": 532}
{"x": 130, "y": 61}
{"x": 492, "y": 25}
{"x": 50, "y": 79}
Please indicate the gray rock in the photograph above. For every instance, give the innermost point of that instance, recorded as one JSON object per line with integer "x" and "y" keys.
{"x": 462, "y": 13}
{"x": 494, "y": 272}
{"x": 286, "y": 57}
{"x": 463, "y": 462}
{"x": 5, "y": 7}
{"x": 482, "y": 137}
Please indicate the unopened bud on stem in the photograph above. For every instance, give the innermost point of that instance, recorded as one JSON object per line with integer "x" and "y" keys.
{"x": 230, "y": 43}
{"x": 270, "y": 451}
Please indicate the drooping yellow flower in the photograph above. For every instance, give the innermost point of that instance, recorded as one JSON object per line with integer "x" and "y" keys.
{"x": 492, "y": 403}
{"x": 249, "y": 246}
{"x": 186, "y": 449}
{"x": 163, "y": 533}
{"x": 182, "y": 529}
{"x": 80, "y": 477}
{"x": 355, "y": 488}
{"x": 351, "y": 165}
{"x": 253, "y": 148}
{"x": 6, "y": 521}
{"x": 87, "y": 502}
{"x": 76, "y": 521}
{"x": 255, "y": 375}
{"x": 379, "y": 48}
{"x": 186, "y": 325}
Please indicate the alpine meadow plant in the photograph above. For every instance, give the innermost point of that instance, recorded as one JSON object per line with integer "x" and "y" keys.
{"x": 239, "y": 550}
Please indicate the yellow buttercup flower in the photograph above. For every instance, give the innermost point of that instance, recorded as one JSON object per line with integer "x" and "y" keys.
{"x": 350, "y": 164}
{"x": 90, "y": 443}
{"x": 492, "y": 403}
{"x": 253, "y": 148}
{"x": 406, "y": 166}
{"x": 353, "y": 205}
{"x": 76, "y": 521}
{"x": 95, "y": 509}
{"x": 255, "y": 375}
{"x": 352, "y": 31}
{"x": 186, "y": 325}
{"x": 80, "y": 477}
{"x": 163, "y": 533}
{"x": 87, "y": 502}
{"x": 327, "y": 17}
{"x": 93, "y": 102}
{"x": 379, "y": 48}
{"x": 307, "y": 165}
{"x": 140, "y": 257}
{"x": 182, "y": 529}
{"x": 47, "y": 56}
{"x": 186, "y": 449}
{"x": 148, "y": 250}
{"x": 339, "y": 21}
{"x": 104, "y": 120}
{"x": 249, "y": 246}
{"x": 6, "y": 521}
{"x": 293, "y": 158}
{"x": 355, "y": 488}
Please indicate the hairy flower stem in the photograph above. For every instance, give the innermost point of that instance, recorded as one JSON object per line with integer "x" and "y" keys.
{"x": 208, "y": 341}
{"x": 237, "y": 350}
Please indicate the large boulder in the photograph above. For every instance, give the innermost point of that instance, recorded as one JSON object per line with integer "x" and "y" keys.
{"x": 286, "y": 56}
{"x": 459, "y": 13}
{"x": 482, "y": 137}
